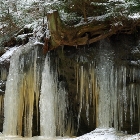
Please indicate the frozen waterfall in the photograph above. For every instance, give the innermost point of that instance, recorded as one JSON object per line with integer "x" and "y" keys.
{"x": 39, "y": 92}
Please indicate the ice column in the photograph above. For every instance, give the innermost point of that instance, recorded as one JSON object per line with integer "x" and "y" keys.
{"x": 104, "y": 68}
{"x": 52, "y": 103}
{"x": 47, "y": 101}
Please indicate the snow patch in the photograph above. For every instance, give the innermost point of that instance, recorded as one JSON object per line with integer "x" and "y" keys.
{"x": 134, "y": 16}
{"x": 51, "y": 11}
{"x": 6, "y": 56}
{"x": 136, "y": 51}
{"x": 28, "y": 26}
{"x": 91, "y": 19}
{"x": 106, "y": 134}
{"x": 123, "y": 1}
{"x": 38, "y": 43}
{"x": 1, "y": 91}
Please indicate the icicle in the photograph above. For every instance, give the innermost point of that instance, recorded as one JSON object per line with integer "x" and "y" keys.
{"x": 87, "y": 101}
{"x": 104, "y": 96}
{"x": 1, "y": 104}
{"x": 94, "y": 96}
{"x": 11, "y": 101}
{"x": 70, "y": 128}
{"x": 77, "y": 77}
{"x": 120, "y": 100}
{"x": 115, "y": 99}
{"x": 111, "y": 86}
{"x": 61, "y": 98}
{"x": 134, "y": 93}
{"x": 131, "y": 104}
{"x": 84, "y": 89}
{"x": 133, "y": 100}
{"x": 37, "y": 84}
{"x": 138, "y": 103}
{"x": 124, "y": 90}
{"x": 90, "y": 85}
{"x": 81, "y": 92}
{"x": 29, "y": 98}
{"x": 4, "y": 74}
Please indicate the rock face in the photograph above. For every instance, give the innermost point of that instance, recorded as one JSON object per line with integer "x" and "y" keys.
{"x": 74, "y": 66}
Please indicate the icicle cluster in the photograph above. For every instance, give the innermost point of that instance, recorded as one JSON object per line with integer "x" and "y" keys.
{"x": 87, "y": 90}
{"x": 110, "y": 89}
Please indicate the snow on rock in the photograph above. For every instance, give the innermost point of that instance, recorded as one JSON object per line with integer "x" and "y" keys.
{"x": 22, "y": 36}
{"x": 28, "y": 26}
{"x": 38, "y": 43}
{"x": 1, "y": 92}
{"x": 2, "y": 83}
{"x": 134, "y": 63}
{"x": 38, "y": 27}
{"x": 134, "y": 16}
{"x": 91, "y": 19}
{"x": 7, "y": 55}
{"x": 136, "y": 50}
{"x": 123, "y": 1}
{"x": 51, "y": 11}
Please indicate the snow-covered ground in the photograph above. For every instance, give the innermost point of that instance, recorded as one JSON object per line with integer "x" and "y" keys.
{"x": 97, "y": 134}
